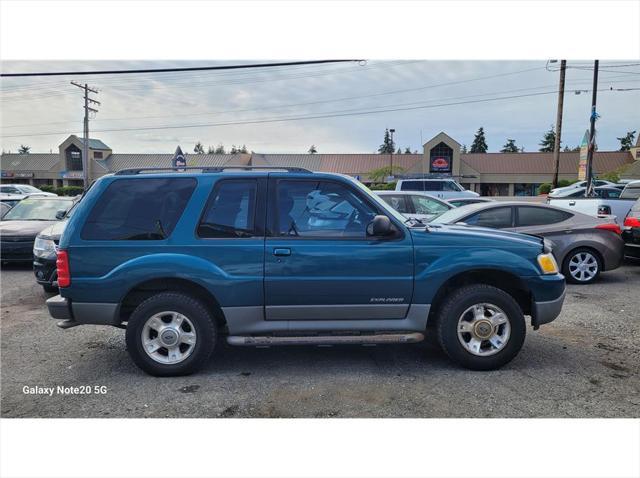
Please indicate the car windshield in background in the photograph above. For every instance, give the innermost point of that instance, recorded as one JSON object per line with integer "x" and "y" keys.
{"x": 37, "y": 210}
{"x": 26, "y": 188}
{"x": 631, "y": 192}
{"x": 453, "y": 215}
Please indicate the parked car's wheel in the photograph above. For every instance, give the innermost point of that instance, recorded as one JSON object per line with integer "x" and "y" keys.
{"x": 49, "y": 288}
{"x": 170, "y": 334}
{"x": 480, "y": 327}
{"x": 582, "y": 266}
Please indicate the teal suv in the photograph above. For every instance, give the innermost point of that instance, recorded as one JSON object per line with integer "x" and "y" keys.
{"x": 184, "y": 258}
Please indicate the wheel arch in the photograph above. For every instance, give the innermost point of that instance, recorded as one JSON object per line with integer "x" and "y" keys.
{"x": 143, "y": 290}
{"x": 506, "y": 281}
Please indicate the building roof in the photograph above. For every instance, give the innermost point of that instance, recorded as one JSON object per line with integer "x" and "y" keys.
{"x": 541, "y": 163}
{"x": 354, "y": 164}
{"x": 632, "y": 171}
{"x": 117, "y": 162}
{"x": 94, "y": 143}
{"x": 28, "y": 162}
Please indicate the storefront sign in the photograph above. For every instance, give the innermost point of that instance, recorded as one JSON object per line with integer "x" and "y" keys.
{"x": 7, "y": 174}
{"x": 440, "y": 164}
{"x": 71, "y": 174}
{"x": 178, "y": 160}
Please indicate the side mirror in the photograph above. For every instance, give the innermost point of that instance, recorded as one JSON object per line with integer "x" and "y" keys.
{"x": 61, "y": 214}
{"x": 380, "y": 226}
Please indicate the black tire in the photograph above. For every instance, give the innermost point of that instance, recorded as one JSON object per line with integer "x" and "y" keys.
{"x": 49, "y": 288}
{"x": 201, "y": 318}
{"x": 567, "y": 273}
{"x": 456, "y": 304}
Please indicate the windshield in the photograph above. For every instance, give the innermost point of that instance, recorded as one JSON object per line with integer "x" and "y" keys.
{"x": 37, "y": 210}
{"x": 28, "y": 188}
{"x": 379, "y": 201}
{"x": 631, "y": 192}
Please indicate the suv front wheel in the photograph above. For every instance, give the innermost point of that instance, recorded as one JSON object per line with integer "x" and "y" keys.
{"x": 170, "y": 334}
{"x": 480, "y": 327}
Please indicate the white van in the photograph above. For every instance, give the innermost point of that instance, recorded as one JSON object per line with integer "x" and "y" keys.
{"x": 442, "y": 188}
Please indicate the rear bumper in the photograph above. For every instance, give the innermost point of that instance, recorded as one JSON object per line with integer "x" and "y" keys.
{"x": 61, "y": 308}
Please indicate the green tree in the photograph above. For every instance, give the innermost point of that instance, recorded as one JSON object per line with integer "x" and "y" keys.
{"x": 626, "y": 142}
{"x": 388, "y": 145}
{"x": 380, "y": 175}
{"x": 399, "y": 151}
{"x": 548, "y": 141}
{"x": 407, "y": 150}
{"x": 219, "y": 149}
{"x": 464, "y": 149}
{"x": 479, "y": 144}
{"x": 24, "y": 149}
{"x": 199, "y": 148}
{"x": 243, "y": 150}
{"x": 510, "y": 147}
{"x": 312, "y": 149}
{"x": 211, "y": 150}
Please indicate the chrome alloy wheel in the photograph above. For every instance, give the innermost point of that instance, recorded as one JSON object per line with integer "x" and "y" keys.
{"x": 483, "y": 329}
{"x": 583, "y": 266}
{"x": 168, "y": 337}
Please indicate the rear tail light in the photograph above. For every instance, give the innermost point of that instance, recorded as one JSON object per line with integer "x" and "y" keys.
{"x": 64, "y": 274}
{"x": 610, "y": 227}
{"x": 632, "y": 221}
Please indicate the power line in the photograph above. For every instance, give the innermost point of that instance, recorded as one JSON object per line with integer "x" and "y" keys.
{"x": 164, "y": 70}
{"x": 299, "y": 118}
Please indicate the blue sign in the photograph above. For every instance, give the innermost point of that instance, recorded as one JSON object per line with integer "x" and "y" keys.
{"x": 179, "y": 160}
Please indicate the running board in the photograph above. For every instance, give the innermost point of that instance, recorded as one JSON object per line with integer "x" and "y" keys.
{"x": 374, "y": 339}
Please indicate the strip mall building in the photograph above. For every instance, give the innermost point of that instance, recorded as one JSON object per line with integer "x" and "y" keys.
{"x": 490, "y": 174}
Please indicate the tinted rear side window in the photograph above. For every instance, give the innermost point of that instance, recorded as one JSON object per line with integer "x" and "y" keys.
{"x": 538, "y": 216}
{"x": 138, "y": 209}
{"x": 231, "y": 210}
{"x": 421, "y": 186}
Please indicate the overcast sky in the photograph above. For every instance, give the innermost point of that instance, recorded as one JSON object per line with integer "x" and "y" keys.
{"x": 419, "y": 98}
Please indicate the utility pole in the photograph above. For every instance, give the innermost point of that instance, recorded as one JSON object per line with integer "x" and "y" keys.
{"x": 556, "y": 146}
{"x": 592, "y": 131}
{"x": 85, "y": 147}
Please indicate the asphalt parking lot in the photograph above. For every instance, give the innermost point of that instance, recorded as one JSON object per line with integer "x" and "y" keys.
{"x": 585, "y": 364}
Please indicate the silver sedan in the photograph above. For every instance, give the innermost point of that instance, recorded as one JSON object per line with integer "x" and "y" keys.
{"x": 583, "y": 245}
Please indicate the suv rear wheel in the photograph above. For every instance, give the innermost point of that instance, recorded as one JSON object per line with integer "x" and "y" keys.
{"x": 170, "y": 334}
{"x": 480, "y": 327}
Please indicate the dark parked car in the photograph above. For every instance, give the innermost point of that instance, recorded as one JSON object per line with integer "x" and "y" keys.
{"x": 583, "y": 245}
{"x": 45, "y": 254}
{"x": 631, "y": 232}
{"x": 20, "y": 225}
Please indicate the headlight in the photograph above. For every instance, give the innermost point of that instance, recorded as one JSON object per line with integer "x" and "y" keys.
{"x": 548, "y": 264}
{"x": 44, "y": 248}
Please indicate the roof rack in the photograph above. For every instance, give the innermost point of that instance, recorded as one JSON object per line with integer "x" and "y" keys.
{"x": 211, "y": 169}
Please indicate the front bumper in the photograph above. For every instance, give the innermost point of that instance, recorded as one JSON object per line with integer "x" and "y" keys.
{"x": 45, "y": 270}
{"x": 546, "y": 311}
{"x": 16, "y": 250}
{"x": 79, "y": 313}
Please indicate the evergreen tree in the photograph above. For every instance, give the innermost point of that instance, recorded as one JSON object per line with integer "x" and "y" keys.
{"x": 312, "y": 149}
{"x": 548, "y": 141}
{"x": 626, "y": 142}
{"x": 387, "y": 146}
{"x": 219, "y": 149}
{"x": 243, "y": 150}
{"x": 234, "y": 150}
{"x": 407, "y": 150}
{"x": 464, "y": 149}
{"x": 198, "y": 149}
{"x": 399, "y": 151}
{"x": 211, "y": 150}
{"x": 510, "y": 147}
{"x": 479, "y": 144}
{"x": 24, "y": 149}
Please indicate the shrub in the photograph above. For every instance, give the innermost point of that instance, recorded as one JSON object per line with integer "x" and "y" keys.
{"x": 565, "y": 182}
{"x": 69, "y": 190}
{"x": 47, "y": 188}
{"x": 544, "y": 188}
{"x": 382, "y": 186}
